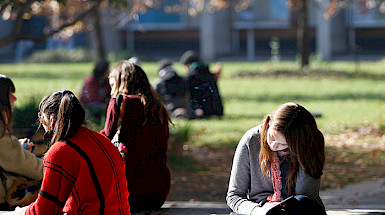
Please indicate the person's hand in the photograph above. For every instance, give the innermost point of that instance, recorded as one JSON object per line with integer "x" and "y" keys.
{"x": 217, "y": 70}
{"x": 27, "y": 144}
{"x": 264, "y": 209}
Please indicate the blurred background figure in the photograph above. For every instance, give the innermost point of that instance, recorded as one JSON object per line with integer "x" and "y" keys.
{"x": 217, "y": 70}
{"x": 173, "y": 90}
{"x": 135, "y": 60}
{"x": 95, "y": 93}
{"x": 202, "y": 84}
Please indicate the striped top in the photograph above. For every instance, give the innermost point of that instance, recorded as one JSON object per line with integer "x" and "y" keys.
{"x": 82, "y": 175}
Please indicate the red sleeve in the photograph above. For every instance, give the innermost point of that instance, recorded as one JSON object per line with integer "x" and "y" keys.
{"x": 110, "y": 126}
{"x": 58, "y": 183}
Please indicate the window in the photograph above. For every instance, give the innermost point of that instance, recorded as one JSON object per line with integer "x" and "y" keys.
{"x": 260, "y": 10}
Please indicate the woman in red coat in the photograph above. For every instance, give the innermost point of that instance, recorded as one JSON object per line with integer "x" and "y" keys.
{"x": 83, "y": 173}
{"x": 144, "y": 131}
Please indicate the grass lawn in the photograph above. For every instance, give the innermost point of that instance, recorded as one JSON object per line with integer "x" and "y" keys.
{"x": 349, "y": 96}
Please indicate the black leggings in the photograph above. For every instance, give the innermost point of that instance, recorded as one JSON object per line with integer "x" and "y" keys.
{"x": 145, "y": 203}
{"x": 5, "y": 207}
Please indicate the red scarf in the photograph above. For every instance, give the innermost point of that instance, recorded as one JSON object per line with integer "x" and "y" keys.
{"x": 276, "y": 176}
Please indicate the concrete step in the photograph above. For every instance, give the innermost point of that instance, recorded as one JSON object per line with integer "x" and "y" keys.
{"x": 219, "y": 208}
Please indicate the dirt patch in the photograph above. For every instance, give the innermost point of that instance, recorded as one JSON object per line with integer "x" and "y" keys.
{"x": 208, "y": 184}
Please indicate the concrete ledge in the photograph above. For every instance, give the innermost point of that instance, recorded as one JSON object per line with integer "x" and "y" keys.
{"x": 356, "y": 212}
{"x": 365, "y": 198}
{"x": 364, "y": 195}
{"x": 196, "y": 208}
{"x": 218, "y": 208}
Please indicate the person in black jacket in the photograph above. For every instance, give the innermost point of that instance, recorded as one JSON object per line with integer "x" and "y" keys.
{"x": 202, "y": 84}
{"x": 173, "y": 90}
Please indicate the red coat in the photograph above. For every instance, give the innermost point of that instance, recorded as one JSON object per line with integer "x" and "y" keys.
{"x": 83, "y": 175}
{"x": 147, "y": 174}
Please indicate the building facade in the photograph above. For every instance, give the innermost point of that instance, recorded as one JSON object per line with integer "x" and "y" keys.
{"x": 246, "y": 33}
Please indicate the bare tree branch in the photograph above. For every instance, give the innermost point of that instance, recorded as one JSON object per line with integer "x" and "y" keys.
{"x": 17, "y": 36}
{"x": 4, "y": 5}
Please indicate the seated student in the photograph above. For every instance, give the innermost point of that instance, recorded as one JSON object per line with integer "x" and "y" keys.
{"x": 144, "y": 134}
{"x": 83, "y": 173}
{"x": 284, "y": 156}
{"x": 16, "y": 164}
{"x": 172, "y": 90}
{"x": 202, "y": 84}
{"x": 95, "y": 93}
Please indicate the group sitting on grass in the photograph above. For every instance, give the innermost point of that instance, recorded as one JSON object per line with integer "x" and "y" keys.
{"x": 194, "y": 96}
{"x": 122, "y": 169}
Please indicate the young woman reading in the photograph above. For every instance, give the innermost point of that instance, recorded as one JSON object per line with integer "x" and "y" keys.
{"x": 282, "y": 157}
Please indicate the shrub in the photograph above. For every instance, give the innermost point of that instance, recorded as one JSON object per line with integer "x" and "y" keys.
{"x": 25, "y": 121}
{"x": 26, "y": 115}
{"x": 75, "y": 56}
{"x": 61, "y": 56}
{"x": 120, "y": 55}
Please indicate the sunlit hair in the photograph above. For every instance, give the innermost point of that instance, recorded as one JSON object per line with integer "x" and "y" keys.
{"x": 6, "y": 87}
{"x": 130, "y": 79}
{"x": 305, "y": 142}
{"x": 66, "y": 111}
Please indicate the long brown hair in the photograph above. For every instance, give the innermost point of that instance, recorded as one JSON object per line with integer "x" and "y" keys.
{"x": 130, "y": 79}
{"x": 305, "y": 142}
{"x": 6, "y": 87}
{"x": 67, "y": 112}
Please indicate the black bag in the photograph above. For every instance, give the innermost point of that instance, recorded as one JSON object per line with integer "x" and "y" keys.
{"x": 297, "y": 205}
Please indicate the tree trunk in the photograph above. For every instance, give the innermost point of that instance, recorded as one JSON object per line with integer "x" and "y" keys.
{"x": 99, "y": 35}
{"x": 303, "y": 34}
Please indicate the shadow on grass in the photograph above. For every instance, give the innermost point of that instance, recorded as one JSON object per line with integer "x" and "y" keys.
{"x": 282, "y": 97}
{"x": 185, "y": 163}
{"x": 313, "y": 73}
{"x": 243, "y": 116}
{"x": 25, "y": 120}
{"x": 49, "y": 75}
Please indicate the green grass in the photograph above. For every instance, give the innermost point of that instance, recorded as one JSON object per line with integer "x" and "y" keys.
{"x": 345, "y": 96}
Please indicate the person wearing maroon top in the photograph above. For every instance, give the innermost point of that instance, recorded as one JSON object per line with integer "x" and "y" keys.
{"x": 95, "y": 92}
{"x": 145, "y": 132}
{"x": 83, "y": 173}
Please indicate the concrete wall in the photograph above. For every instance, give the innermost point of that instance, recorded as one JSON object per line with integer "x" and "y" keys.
{"x": 215, "y": 34}
{"x": 331, "y": 34}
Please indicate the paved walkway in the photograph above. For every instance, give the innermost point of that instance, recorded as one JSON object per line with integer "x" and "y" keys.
{"x": 365, "y": 195}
